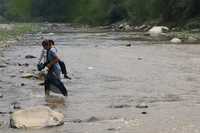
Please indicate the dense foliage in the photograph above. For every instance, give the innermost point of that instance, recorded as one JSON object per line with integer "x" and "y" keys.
{"x": 99, "y": 11}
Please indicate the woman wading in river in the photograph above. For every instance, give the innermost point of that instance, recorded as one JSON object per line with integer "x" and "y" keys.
{"x": 53, "y": 79}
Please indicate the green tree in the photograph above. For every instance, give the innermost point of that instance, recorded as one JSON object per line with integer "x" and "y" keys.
{"x": 19, "y": 9}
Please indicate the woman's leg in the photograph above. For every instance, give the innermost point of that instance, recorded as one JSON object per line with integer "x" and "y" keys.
{"x": 46, "y": 87}
{"x": 54, "y": 80}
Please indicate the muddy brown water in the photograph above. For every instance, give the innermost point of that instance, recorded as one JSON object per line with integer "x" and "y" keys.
{"x": 108, "y": 81}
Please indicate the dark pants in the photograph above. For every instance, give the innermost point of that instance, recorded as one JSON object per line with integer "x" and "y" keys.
{"x": 63, "y": 67}
{"x": 52, "y": 79}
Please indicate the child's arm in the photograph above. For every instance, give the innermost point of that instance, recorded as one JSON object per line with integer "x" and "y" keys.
{"x": 42, "y": 55}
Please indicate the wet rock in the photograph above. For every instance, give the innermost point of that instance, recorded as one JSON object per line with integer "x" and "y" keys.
{"x": 30, "y": 57}
{"x": 120, "y": 106}
{"x": 122, "y": 27}
{"x": 27, "y": 75}
{"x": 36, "y": 117}
{"x": 176, "y": 40}
{"x": 12, "y": 76}
{"x": 144, "y": 113}
{"x": 142, "y": 106}
{"x": 3, "y": 66}
{"x": 157, "y": 30}
{"x": 25, "y": 64}
{"x": 22, "y": 84}
{"x": 19, "y": 64}
{"x": 92, "y": 119}
{"x": 1, "y": 95}
{"x": 4, "y": 113}
{"x": 111, "y": 129}
{"x": 77, "y": 121}
{"x": 139, "y": 58}
{"x": 128, "y": 45}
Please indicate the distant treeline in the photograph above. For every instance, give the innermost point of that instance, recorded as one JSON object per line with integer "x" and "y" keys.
{"x": 99, "y": 11}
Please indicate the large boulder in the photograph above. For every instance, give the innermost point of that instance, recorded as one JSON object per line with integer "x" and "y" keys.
{"x": 36, "y": 117}
{"x": 176, "y": 40}
{"x": 157, "y": 30}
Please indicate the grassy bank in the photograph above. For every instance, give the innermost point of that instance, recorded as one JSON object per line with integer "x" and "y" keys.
{"x": 13, "y": 32}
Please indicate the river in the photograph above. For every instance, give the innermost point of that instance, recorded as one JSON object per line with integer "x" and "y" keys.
{"x": 109, "y": 80}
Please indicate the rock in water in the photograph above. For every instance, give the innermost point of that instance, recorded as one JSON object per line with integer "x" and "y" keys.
{"x": 30, "y": 57}
{"x": 27, "y": 75}
{"x": 142, "y": 106}
{"x": 176, "y": 40}
{"x": 3, "y": 66}
{"x": 36, "y": 117}
{"x": 1, "y": 95}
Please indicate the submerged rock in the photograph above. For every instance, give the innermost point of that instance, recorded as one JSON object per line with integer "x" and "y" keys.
{"x": 142, "y": 106}
{"x": 176, "y": 40}
{"x": 120, "y": 106}
{"x": 30, "y": 57}
{"x": 36, "y": 117}
{"x": 23, "y": 84}
{"x": 128, "y": 45}
{"x": 144, "y": 113}
{"x": 1, "y": 95}
{"x": 77, "y": 121}
{"x": 3, "y": 66}
{"x": 92, "y": 119}
{"x": 139, "y": 58}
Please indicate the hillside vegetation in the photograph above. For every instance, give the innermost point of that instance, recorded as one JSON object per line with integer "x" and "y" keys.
{"x": 98, "y": 12}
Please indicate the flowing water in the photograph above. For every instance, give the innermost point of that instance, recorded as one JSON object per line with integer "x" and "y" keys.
{"x": 108, "y": 81}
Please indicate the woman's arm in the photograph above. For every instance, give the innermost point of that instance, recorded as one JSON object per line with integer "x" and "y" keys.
{"x": 56, "y": 60}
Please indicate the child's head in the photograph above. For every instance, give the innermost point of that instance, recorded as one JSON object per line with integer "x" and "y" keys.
{"x": 51, "y": 42}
